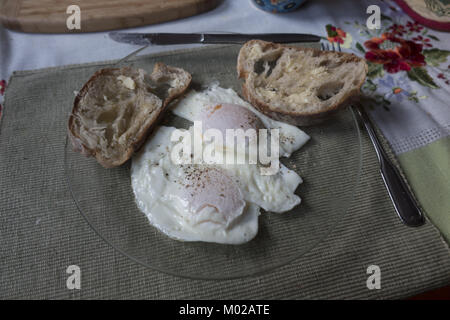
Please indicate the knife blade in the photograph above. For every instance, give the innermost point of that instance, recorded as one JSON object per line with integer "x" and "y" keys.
{"x": 208, "y": 38}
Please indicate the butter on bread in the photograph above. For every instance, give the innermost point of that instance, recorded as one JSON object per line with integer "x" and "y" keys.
{"x": 298, "y": 85}
{"x": 127, "y": 82}
{"x": 116, "y": 109}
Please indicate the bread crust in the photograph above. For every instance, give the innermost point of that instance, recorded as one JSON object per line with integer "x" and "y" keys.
{"x": 292, "y": 117}
{"x": 160, "y": 69}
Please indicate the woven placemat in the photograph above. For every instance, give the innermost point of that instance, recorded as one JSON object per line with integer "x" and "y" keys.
{"x": 42, "y": 233}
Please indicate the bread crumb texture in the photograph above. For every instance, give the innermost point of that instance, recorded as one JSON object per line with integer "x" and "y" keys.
{"x": 115, "y": 109}
{"x": 297, "y": 79}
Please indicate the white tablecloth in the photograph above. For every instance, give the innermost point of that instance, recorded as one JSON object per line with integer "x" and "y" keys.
{"x": 414, "y": 116}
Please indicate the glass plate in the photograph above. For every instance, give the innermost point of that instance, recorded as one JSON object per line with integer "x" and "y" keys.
{"x": 330, "y": 165}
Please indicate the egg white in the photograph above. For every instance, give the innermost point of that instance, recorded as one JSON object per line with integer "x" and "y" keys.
{"x": 194, "y": 103}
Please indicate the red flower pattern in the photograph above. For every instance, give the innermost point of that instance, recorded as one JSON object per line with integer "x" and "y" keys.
{"x": 414, "y": 26}
{"x": 397, "y": 29}
{"x": 2, "y": 86}
{"x": 425, "y": 41}
{"x": 443, "y": 77}
{"x": 335, "y": 34}
{"x": 2, "y": 91}
{"x": 402, "y": 57}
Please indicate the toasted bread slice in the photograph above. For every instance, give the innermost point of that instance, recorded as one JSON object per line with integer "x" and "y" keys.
{"x": 115, "y": 110}
{"x": 298, "y": 85}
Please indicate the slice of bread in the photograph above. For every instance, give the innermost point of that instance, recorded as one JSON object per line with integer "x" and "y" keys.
{"x": 298, "y": 85}
{"x": 116, "y": 109}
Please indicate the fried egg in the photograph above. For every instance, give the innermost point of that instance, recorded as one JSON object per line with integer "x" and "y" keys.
{"x": 208, "y": 106}
{"x": 190, "y": 202}
{"x": 213, "y": 202}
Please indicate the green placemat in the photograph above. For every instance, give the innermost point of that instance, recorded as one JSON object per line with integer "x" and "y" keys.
{"x": 42, "y": 232}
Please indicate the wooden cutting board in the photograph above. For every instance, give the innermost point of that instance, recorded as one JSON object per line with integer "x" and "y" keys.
{"x": 50, "y": 16}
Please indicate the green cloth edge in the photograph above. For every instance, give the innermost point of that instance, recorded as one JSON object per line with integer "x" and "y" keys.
{"x": 428, "y": 172}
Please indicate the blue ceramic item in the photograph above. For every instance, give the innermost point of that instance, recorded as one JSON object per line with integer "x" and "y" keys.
{"x": 278, "y": 6}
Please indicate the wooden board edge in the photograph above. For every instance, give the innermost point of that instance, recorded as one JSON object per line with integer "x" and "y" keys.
{"x": 97, "y": 24}
{"x": 9, "y": 10}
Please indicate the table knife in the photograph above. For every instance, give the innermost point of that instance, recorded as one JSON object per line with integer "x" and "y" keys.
{"x": 208, "y": 38}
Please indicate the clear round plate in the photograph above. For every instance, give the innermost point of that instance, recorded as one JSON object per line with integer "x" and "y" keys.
{"x": 330, "y": 165}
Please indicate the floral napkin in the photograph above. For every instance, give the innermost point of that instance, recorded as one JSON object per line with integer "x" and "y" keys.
{"x": 408, "y": 69}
